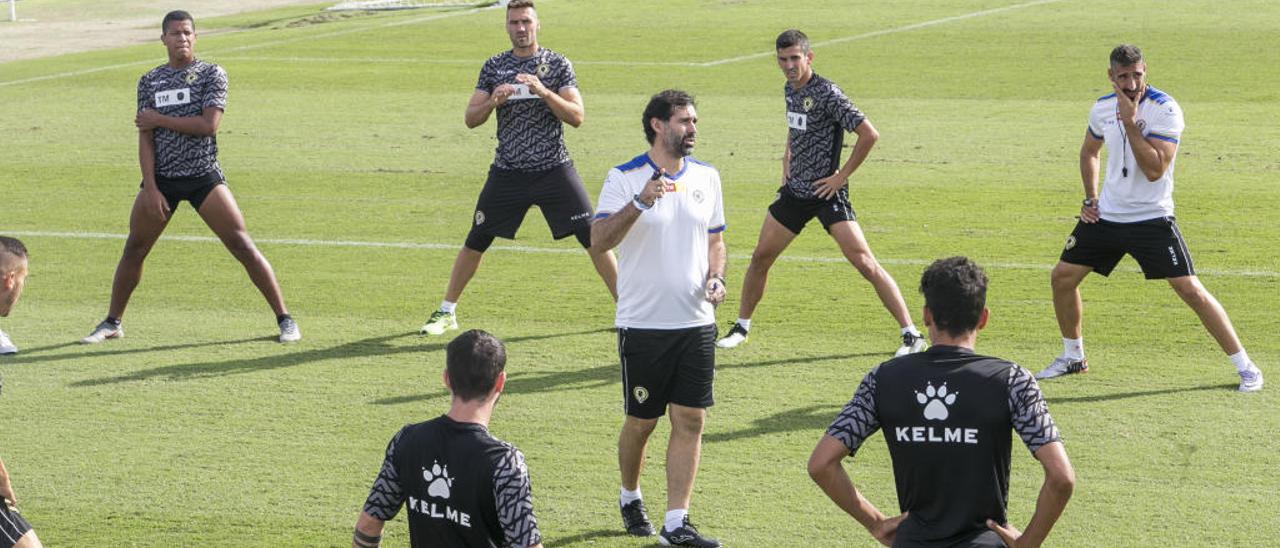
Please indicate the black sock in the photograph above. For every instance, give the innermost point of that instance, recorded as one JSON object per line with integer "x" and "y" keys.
{"x": 283, "y": 317}
{"x": 114, "y": 321}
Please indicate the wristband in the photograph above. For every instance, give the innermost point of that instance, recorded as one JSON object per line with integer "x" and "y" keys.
{"x": 639, "y": 205}
{"x": 1090, "y": 202}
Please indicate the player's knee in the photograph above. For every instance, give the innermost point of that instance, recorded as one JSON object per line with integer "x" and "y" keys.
{"x": 762, "y": 259}
{"x": 1061, "y": 278}
{"x": 478, "y": 241}
{"x": 583, "y": 234}
{"x": 688, "y": 421}
{"x": 866, "y": 264}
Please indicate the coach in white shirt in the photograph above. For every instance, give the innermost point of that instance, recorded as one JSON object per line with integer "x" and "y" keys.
{"x": 664, "y": 213}
{"x": 1140, "y": 127}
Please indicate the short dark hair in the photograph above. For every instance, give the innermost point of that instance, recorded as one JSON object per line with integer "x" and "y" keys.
{"x": 519, "y": 4}
{"x": 955, "y": 291}
{"x": 11, "y": 252}
{"x": 474, "y": 359}
{"x": 792, "y": 37}
{"x": 661, "y": 106}
{"x": 1125, "y": 55}
{"x": 175, "y": 15}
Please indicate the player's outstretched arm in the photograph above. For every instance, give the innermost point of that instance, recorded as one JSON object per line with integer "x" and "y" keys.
{"x": 204, "y": 125}
{"x": 1059, "y": 483}
{"x": 825, "y": 470}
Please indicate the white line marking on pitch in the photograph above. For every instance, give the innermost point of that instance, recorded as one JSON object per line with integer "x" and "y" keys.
{"x": 565, "y": 251}
{"x": 397, "y": 23}
{"x": 894, "y": 30}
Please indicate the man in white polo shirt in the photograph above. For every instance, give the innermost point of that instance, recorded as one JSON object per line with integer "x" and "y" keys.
{"x": 1141, "y": 127}
{"x": 663, "y": 211}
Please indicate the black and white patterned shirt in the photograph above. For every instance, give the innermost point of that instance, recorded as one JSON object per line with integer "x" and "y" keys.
{"x": 184, "y": 92}
{"x": 946, "y": 415}
{"x": 818, "y": 116}
{"x": 462, "y": 486}
{"x": 530, "y": 137}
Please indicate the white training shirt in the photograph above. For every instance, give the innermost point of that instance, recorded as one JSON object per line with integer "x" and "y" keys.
{"x": 1132, "y": 198}
{"x": 662, "y": 261}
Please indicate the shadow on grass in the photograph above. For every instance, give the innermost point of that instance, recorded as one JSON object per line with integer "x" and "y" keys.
{"x": 803, "y": 418}
{"x": 363, "y": 348}
{"x": 1138, "y": 394}
{"x": 98, "y": 350}
{"x": 588, "y": 537}
{"x": 592, "y": 377}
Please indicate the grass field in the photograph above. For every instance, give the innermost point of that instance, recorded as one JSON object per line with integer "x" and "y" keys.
{"x": 199, "y": 430}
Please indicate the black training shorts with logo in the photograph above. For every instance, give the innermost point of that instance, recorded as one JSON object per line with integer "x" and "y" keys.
{"x": 12, "y": 525}
{"x": 661, "y": 366}
{"x": 191, "y": 189}
{"x": 1156, "y": 244}
{"x": 794, "y": 212}
{"x": 508, "y": 195}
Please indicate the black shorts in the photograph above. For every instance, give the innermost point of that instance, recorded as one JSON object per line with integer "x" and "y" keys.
{"x": 794, "y": 213}
{"x": 508, "y": 195}
{"x": 192, "y": 189}
{"x": 1156, "y": 244}
{"x": 661, "y": 366}
{"x": 12, "y": 526}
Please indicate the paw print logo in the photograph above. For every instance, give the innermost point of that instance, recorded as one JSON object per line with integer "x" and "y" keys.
{"x": 438, "y": 480}
{"x": 936, "y": 401}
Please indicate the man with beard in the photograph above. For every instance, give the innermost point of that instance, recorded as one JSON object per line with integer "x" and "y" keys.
{"x": 663, "y": 211}
{"x": 1140, "y": 126}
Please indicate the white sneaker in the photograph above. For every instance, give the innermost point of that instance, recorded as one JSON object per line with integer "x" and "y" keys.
{"x": 439, "y": 322}
{"x": 1063, "y": 366}
{"x": 289, "y": 331}
{"x": 911, "y": 343}
{"x": 737, "y": 335}
{"x": 105, "y": 330}
{"x": 6, "y": 345}
{"x": 1251, "y": 379}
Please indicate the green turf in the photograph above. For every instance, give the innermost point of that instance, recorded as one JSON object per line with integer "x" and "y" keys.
{"x": 197, "y": 429}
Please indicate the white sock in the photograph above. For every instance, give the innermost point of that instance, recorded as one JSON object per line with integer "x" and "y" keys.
{"x": 911, "y": 329}
{"x": 745, "y": 323}
{"x": 675, "y": 519}
{"x": 1241, "y": 360}
{"x": 448, "y": 307}
{"x": 1073, "y": 348}
{"x": 625, "y": 497}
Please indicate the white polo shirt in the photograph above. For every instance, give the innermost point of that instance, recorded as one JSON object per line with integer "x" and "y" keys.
{"x": 1132, "y": 198}
{"x": 662, "y": 261}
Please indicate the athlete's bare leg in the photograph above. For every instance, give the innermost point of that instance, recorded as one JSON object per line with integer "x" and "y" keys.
{"x": 464, "y": 268}
{"x": 144, "y": 229}
{"x": 1065, "y": 279}
{"x": 607, "y": 267}
{"x": 632, "y": 442}
{"x": 1211, "y": 313}
{"x": 684, "y": 450}
{"x": 223, "y": 216}
{"x": 853, "y": 244}
{"x": 774, "y": 238}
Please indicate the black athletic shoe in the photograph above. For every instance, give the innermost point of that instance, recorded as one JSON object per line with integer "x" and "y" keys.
{"x": 686, "y": 535}
{"x": 635, "y": 520}
{"x": 737, "y": 335}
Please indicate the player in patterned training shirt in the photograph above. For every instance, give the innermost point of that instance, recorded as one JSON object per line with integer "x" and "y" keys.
{"x": 1133, "y": 215}
{"x": 815, "y": 184}
{"x": 946, "y": 415}
{"x": 14, "y": 530}
{"x": 180, "y": 106}
{"x": 462, "y": 486}
{"x": 533, "y": 89}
